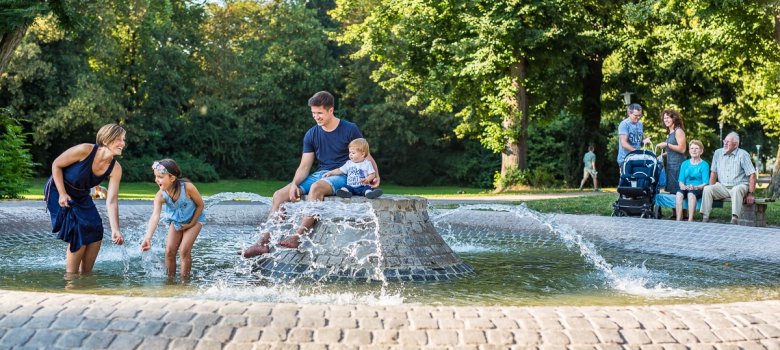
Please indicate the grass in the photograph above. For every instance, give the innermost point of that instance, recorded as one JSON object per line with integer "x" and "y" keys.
{"x": 600, "y": 204}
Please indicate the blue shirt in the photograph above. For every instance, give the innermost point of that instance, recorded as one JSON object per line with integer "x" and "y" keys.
{"x": 635, "y": 134}
{"x": 694, "y": 175}
{"x": 331, "y": 148}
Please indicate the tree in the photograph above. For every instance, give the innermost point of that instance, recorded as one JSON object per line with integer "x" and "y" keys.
{"x": 474, "y": 58}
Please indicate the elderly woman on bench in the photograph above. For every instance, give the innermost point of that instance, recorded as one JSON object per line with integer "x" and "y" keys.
{"x": 694, "y": 175}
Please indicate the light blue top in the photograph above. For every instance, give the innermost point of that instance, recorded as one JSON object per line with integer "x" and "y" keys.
{"x": 588, "y": 159}
{"x": 694, "y": 175}
{"x": 181, "y": 211}
{"x": 635, "y": 134}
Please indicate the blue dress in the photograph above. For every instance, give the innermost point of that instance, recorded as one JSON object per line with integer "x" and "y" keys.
{"x": 81, "y": 223}
{"x": 179, "y": 212}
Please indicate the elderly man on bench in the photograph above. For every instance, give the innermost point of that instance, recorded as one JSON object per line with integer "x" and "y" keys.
{"x": 732, "y": 176}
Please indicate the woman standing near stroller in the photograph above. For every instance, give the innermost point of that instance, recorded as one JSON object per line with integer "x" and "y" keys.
{"x": 674, "y": 148}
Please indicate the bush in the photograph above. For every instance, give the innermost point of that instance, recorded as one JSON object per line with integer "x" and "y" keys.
{"x": 193, "y": 168}
{"x": 16, "y": 165}
{"x": 513, "y": 177}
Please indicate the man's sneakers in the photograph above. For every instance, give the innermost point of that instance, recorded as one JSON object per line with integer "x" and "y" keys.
{"x": 705, "y": 218}
{"x": 372, "y": 194}
{"x": 597, "y": 190}
{"x": 734, "y": 219}
{"x": 343, "y": 193}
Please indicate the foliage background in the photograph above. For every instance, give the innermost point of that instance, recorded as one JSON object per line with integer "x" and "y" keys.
{"x": 223, "y": 86}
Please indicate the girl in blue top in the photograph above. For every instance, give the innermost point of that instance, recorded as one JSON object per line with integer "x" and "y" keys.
{"x": 182, "y": 210}
{"x": 694, "y": 175}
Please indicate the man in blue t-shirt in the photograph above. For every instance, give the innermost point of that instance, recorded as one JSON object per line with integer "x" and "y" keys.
{"x": 630, "y": 133}
{"x": 328, "y": 143}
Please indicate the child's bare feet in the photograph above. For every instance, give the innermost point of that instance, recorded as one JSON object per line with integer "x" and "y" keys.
{"x": 254, "y": 250}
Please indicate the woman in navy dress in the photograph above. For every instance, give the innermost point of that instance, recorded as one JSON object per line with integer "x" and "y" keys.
{"x": 73, "y": 213}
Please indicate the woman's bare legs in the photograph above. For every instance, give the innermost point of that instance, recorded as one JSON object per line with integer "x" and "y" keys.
{"x": 691, "y": 206}
{"x": 678, "y": 206}
{"x": 83, "y": 260}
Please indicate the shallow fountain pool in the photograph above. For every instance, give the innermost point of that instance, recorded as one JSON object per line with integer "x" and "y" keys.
{"x": 520, "y": 258}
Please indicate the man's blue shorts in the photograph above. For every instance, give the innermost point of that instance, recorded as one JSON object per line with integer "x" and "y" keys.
{"x": 335, "y": 181}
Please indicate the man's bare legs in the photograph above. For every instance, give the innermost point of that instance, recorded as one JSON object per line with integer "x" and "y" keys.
{"x": 318, "y": 191}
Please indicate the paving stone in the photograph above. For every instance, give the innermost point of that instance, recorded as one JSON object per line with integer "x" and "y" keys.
{"x": 99, "y": 312}
{"x": 151, "y": 314}
{"x": 499, "y": 337}
{"x": 220, "y": 333}
{"x": 684, "y": 336}
{"x": 305, "y": 321}
{"x": 122, "y": 325}
{"x": 14, "y": 321}
{"x": 771, "y": 331}
{"x": 149, "y": 328}
{"x": 750, "y": 333}
{"x": 67, "y": 322}
{"x": 94, "y": 324}
{"x": 285, "y": 320}
{"x": 43, "y": 338}
{"x": 357, "y": 337}
{"x": 262, "y": 321}
{"x": 751, "y": 346}
{"x": 247, "y": 334}
{"x": 154, "y": 343}
{"x": 729, "y": 335}
{"x": 274, "y": 334}
{"x": 370, "y": 323}
{"x": 328, "y": 335}
{"x": 527, "y": 337}
{"x": 701, "y": 347}
{"x": 501, "y": 323}
{"x": 635, "y": 336}
{"x": 177, "y": 330}
{"x": 206, "y": 344}
{"x": 582, "y": 336}
{"x": 98, "y": 340}
{"x": 553, "y": 338}
{"x": 126, "y": 341}
{"x": 660, "y": 336}
{"x": 396, "y": 323}
{"x": 301, "y": 335}
{"x": 412, "y": 338}
{"x": 183, "y": 344}
{"x": 234, "y": 320}
{"x": 179, "y": 316}
{"x": 72, "y": 338}
{"x": 39, "y": 322}
{"x": 384, "y": 336}
{"x": 342, "y": 323}
{"x": 426, "y": 323}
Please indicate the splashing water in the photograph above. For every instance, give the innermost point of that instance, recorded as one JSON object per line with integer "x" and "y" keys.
{"x": 621, "y": 279}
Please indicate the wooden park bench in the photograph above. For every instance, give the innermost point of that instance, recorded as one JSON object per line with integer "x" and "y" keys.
{"x": 752, "y": 215}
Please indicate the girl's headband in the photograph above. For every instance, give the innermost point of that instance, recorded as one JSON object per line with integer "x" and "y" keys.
{"x": 159, "y": 167}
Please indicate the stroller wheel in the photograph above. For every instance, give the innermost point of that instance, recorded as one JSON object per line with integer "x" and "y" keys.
{"x": 619, "y": 213}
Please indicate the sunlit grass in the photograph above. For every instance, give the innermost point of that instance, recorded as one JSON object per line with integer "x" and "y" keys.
{"x": 600, "y": 204}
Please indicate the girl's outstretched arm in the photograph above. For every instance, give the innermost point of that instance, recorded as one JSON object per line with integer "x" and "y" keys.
{"x": 146, "y": 244}
{"x": 192, "y": 192}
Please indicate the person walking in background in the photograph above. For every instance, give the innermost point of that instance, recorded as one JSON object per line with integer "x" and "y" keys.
{"x": 74, "y": 216}
{"x": 732, "y": 176}
{"x": 630, "y": 133}
{"x": 589, "y": 169}
{"x": 359, "y": 172}
{"x": 694, "y": 175}
{"x": 182, "y": 211}
{"x": 674, "y": 148}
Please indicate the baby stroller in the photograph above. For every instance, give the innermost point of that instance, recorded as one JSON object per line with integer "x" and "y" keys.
{"x": 639, "y": 178}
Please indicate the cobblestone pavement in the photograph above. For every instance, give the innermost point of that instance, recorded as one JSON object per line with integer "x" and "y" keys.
{"x": 51, "y": 320}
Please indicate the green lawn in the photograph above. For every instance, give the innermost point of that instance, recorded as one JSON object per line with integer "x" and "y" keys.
{"x": 146, "y": 190}
{"x": 598, "y": 204}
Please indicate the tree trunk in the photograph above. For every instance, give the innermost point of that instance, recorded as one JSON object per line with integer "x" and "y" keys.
{"x": 8, "y": 43}
{"x": 591, "y": 105}
{"x": 774, "y": 184}
{"x": 515, "y": 154}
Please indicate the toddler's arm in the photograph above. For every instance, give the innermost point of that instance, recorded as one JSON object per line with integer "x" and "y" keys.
{"x": 336, "y": 171}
